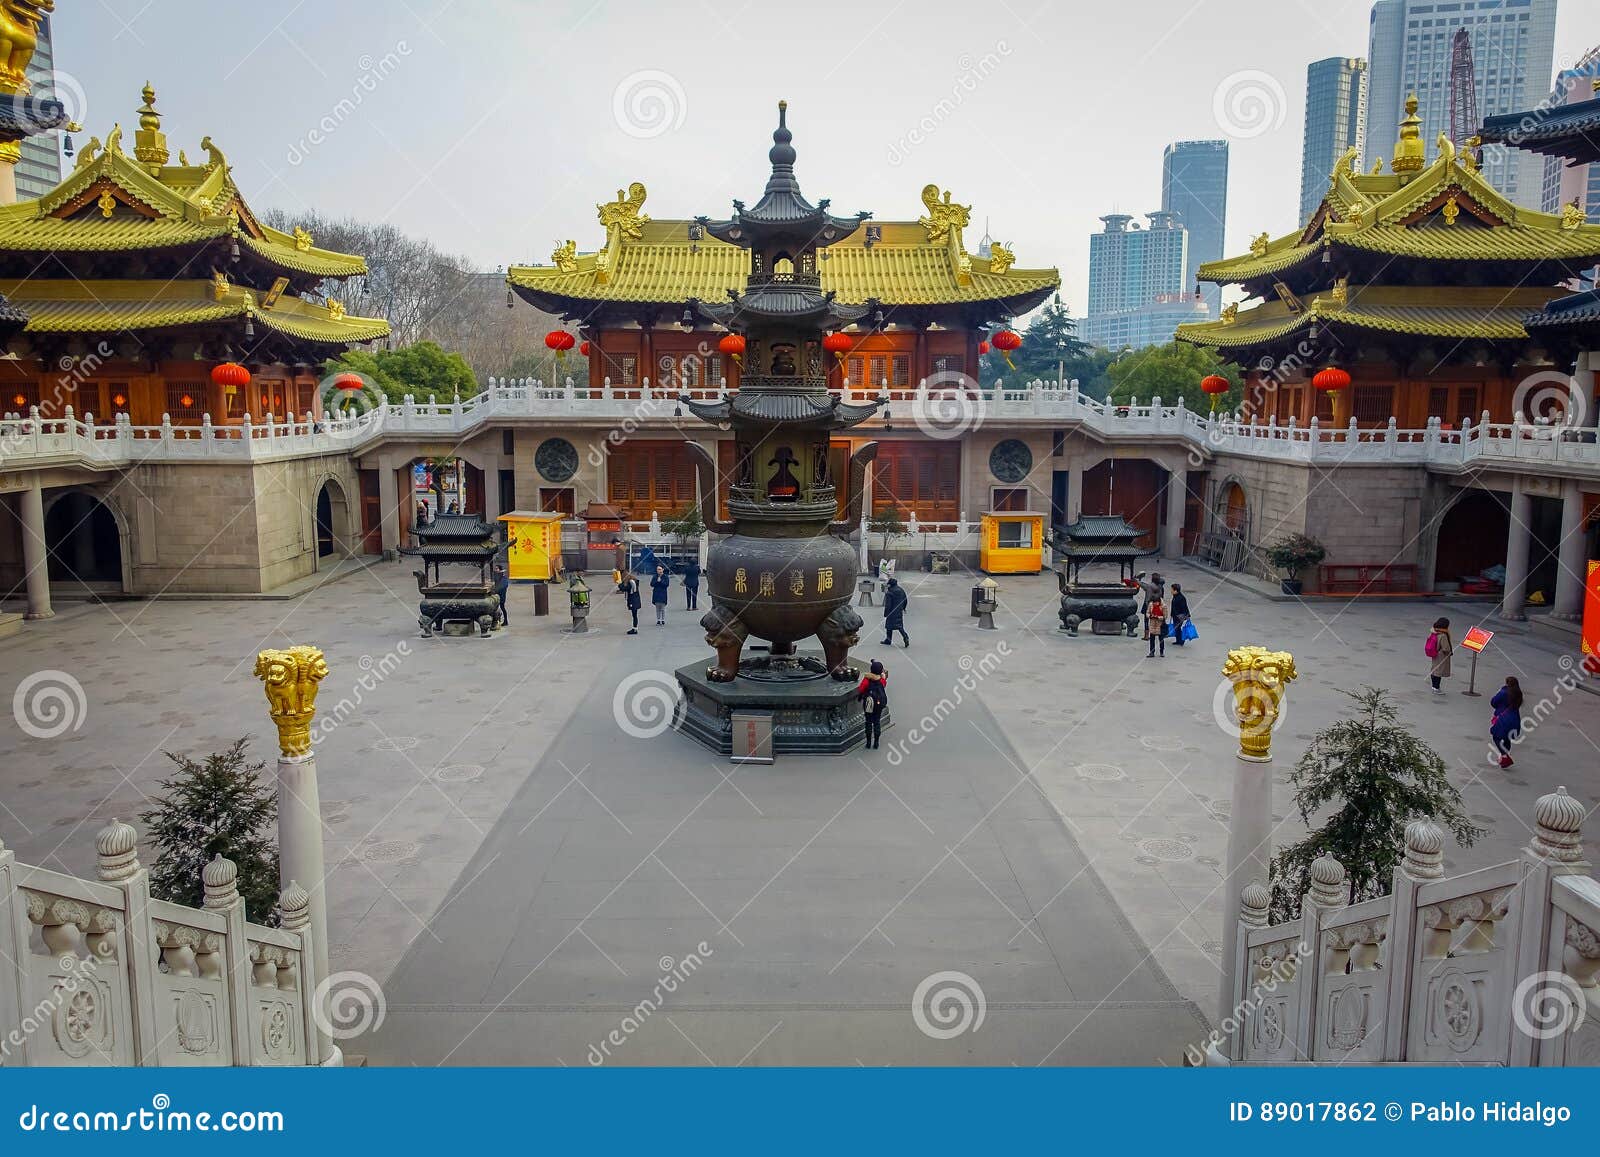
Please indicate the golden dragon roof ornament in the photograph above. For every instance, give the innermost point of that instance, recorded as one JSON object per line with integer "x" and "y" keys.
{"x": 622, "y": 219}
{"x": 945, "y": 221}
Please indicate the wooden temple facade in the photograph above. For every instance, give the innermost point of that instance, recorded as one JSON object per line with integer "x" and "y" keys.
{"x": 1418, "y": 281}
{"x": 138, "y": 274}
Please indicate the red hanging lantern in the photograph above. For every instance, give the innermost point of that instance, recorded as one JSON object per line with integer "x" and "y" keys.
{"x": 983, "y": 348}
{"x": 837, "y": 344}
{"x": 583, "y": 348}
{"x": 1332, "y": 378}
{"x": 230, "y": 375}
{"x": 348, "y": 383}
{"x": 560, "y": 341}
{"x": 733, "y": 344}
{"x": 1005, "y": 341}
{"x": 1215, "y": 384}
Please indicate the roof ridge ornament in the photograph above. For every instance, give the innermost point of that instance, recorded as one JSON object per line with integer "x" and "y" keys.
{"x": 945, "y": 221}
{"x": 1409, "y": 151}
{"x": 622, "y": 219}
{"x": 149, "y": 142}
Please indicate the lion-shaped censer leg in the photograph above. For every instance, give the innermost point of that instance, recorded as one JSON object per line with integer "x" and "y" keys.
{"x": 727, "y": 634}
{"x": 838, "y": 633}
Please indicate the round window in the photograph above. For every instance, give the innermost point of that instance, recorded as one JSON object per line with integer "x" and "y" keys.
{"x": 1010, "y": 460}
{"x": 556, "y": 459}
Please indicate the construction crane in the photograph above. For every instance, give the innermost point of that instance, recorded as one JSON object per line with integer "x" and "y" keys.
{"x": 1463, "y": 91}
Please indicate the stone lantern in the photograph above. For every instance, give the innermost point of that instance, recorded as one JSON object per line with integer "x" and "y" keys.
{"x": 987, "y": 603}
{"x": 578, "y": 595}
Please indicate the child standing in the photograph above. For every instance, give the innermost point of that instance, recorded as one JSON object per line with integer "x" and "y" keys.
{"x": 1155, "y": 625}
{"x": 1439, "y": 648}
{"x": 873, "y": 693}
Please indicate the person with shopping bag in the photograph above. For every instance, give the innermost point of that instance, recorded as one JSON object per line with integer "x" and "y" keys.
{"x": 1182, "y": 626}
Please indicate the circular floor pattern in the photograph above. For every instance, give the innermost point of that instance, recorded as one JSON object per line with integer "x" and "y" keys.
{"x": 458, "y": 773}
{"x": 388, "y": 852}
{"x": 1167, "y": 851}
{"x": 1162, "y": 742}
{"x": 1103, "y": 772}
{"x": 396, "y": 743}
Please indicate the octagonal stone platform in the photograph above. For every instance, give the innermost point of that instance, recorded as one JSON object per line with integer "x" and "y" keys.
{"x": 812, "y": 714}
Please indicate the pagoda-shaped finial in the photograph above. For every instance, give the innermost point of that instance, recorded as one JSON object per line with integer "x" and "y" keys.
{"x": 782, "y": 152}
{"x": 1409, "y": 151}
{"x": 150, "y": 143}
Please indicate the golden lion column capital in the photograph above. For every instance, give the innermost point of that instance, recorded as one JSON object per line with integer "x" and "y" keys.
{"x": 1260, "y": 678}
{"x": 290, "y": 678}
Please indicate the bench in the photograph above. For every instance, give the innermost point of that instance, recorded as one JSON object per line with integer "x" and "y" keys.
{"x": 1375, "y": 578}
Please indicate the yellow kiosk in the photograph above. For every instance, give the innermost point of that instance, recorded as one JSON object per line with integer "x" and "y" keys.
{"x": 1012, "y": 542}
{"x": 533, "y": 545}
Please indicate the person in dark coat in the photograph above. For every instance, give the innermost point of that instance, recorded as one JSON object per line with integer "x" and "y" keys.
{"x": 629, "y": 586}
{"x": 1178, "y": 611}
{"x": 691, "y": 584}
{"x": 502, "y": 587}
{"x": 1506, "y": 727}
{"x": 894, "y": 612}
{"x": 659, "y": 586}
{"x": 873, "y": 692}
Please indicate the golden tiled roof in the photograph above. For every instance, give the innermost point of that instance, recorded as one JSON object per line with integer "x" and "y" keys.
{"x": 1445, "y": 212}
{"x": 116, "y": 202}
{"x": 73, "y": 306}
{"x": 662, "y": 265}
{"x": 1488, "y": 314}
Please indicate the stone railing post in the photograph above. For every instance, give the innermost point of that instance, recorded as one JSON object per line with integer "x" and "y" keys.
{"x": 14, "y": 935}
{"x": 1260, "y": 680}
{"x": 1556, "y": 849}
{"x": 1423, "y": 861}
{"x": 1255, "y": 899}
{"x": 221, "y": 881}
{"x": 117, "y": 863}
{"x": 294, "y": 909}
{"x": 1328, "y": 892}
{"x": 290, "y": 678}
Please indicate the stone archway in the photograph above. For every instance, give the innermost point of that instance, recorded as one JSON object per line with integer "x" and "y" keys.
{"x": 1230, "y": 511}
{"x": 332, "y": 518}
{"x": 87, "y": 542}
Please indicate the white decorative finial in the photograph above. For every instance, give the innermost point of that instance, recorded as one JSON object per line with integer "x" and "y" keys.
{"x": 1424, "y": 858}
{"x": 117, "y": 846}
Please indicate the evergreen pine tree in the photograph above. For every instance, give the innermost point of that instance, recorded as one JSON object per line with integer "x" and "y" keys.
{"x": 222, "y": 805}
{"x": 1377, "y": 776}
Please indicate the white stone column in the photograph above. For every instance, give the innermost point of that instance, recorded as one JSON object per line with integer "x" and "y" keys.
{"x": 388, "y": 507}
{"x": 35, "y": 556}
{"x": 1177, "y": 493}
{"x": 1572, "y": 565}
{"x": 1518, "y": 543}
{"x": 1249, "y": 856}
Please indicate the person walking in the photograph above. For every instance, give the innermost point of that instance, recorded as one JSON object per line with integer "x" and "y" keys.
{"x": 873, "y": 694}
{"x": 1178, "y": 610}
{"x": 629, "y": 586}
{"x": 894, "y": 613}
{"x": 1155, "y": 626}
{"x": 1505, "y": 728}
{"x": 502, "y": 587}
{"x": 1439, "y": 648}
{"x": 659, "y": 586}
{"x": 691, "y": 585}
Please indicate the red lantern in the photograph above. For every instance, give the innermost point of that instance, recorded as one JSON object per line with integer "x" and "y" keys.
{"x": 1332, "y": 378}
{"x": 560, "y": 341}
{"x": 837, "y": 344}
{"x": 733, "y": 345}
{"x": 583, "y": 348}
{"x": 1214, "y": 384}
{"x": 230, "y": 375}
{"x": 1005, "y": 341}
{"x": 983, "y": 348}
{"x": 349, "y": 383}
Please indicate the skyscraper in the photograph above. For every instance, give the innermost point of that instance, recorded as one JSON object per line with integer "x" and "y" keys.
{"x": 1194, "y": 185}
{"x": 39, "y": 170}
{"x": 1513, "y": 50}
{"x": 1336, "y": 121}
{"x": 1138, "y": 282}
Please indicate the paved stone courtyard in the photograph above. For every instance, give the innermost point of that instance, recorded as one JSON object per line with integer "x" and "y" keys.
{"x": 532, "y": 872}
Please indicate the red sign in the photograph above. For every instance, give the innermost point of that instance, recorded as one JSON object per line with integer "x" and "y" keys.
{"x": 599, "y": 524}
{"x": 1591, "y": 615}
{"x": 1477, "y": 639}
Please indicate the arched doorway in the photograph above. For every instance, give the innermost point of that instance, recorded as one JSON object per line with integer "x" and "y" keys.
{"x": 333, "y": 521}
{"x": 1233, "y": 510}
{"x": 84, "y": 542}
{"x": 1472, "y": 536}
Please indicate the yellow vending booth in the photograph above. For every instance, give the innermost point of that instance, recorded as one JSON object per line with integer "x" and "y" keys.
{"x": 1012, "y": 542}
{"x": 533, "y": 545}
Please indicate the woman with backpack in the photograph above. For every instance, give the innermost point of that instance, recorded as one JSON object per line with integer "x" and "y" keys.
{"x": 873, "y": 694}
{"x": 1506, "y": 726}
{"x": 1439, "y": 648}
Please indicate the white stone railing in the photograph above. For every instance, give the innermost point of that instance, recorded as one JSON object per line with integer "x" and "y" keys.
{"x": 31, "y": 441}
{"x": 96, "y": 972}
{"x": 1496, "y": 966}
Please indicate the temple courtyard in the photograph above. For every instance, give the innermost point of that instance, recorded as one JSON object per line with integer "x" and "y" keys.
{"x": 532, "y": 868}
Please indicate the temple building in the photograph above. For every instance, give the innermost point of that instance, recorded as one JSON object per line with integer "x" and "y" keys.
{"x": 925, "y": 304}
{"x": 139, "y": 275}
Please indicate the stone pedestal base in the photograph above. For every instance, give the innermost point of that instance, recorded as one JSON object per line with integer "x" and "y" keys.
{"x": 812, "y": 713}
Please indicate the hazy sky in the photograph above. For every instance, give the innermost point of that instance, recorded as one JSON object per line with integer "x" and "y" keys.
{"x": 494, "y": 126}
